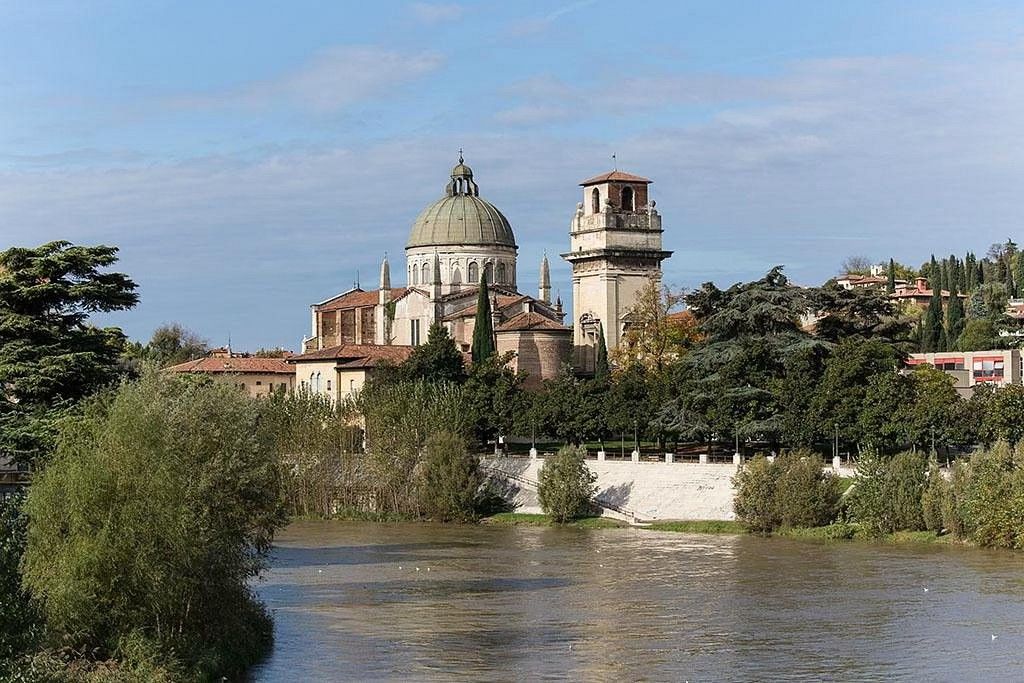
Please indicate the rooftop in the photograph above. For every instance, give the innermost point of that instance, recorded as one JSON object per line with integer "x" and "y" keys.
{"x": 616, "y": 176}
{"x": 357, "y": 355}
{"x": 234, "y": 365}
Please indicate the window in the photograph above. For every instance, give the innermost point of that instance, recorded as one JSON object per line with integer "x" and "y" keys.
{"x": 489, "y": 273}
{"x": 328, "y": 386}
{"x": 426, "y": 274}
{"x": 989, "y": 369}
{"x": 474, "y": 273}
{"x": 948, "y": 364}
{"x": 627, "y": 199}
{"x": 595, "y": 201}
{"x": 351, "y": 385}
{"x": 259, "y": 383}
{"x": 317, "y": 387}
{"x": 414, "y": 332}
{"x": 415, "y": 275}
{"x": 501, "y": 273}
{"x": 456, "y": 276}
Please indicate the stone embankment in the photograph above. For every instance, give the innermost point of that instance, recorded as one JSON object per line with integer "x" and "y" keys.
{"x": 636, "y": 491}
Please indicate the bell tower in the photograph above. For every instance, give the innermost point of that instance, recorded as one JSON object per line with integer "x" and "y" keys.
{"x": 615, "y": 251}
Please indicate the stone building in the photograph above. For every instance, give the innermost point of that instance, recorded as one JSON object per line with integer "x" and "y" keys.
{"x": 256, "y": 376}
{"x": 453, "y": 242}
{"x": 615, "y": 250}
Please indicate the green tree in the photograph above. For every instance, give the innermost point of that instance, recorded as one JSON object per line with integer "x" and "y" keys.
{"x": 483, "y": 328}
{"x": 979, "y": 334}
{"x": 172, "y": 344}
{"x": 1002, "y": 421}
{"x": 754, "y": 501}
{"x": 880, "y": 424}
{"x": 864, "y": 313}
{"x": 451, "y": 478}
{"x": 569, "y": 409}
{"x": 805, "y": 495}
{"x": 439, "y": 360}
{"x": 931, "y": 411}
{"x": 50, "y": 356}
{"x": 955, "y": 320}
{"x": 890, "y": 284}
{"x": 566, "y": 485}
{"x": 493, "y": 398}
{"x": 886, "y": 496}
{"x": 156, "y": 510}
{"x": 932, "y": 331}
{"x": 601, "y": 370}
{"x": 20, "y": 623}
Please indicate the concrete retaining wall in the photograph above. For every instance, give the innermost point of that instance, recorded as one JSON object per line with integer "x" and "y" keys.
{"x": 638, "y": 491}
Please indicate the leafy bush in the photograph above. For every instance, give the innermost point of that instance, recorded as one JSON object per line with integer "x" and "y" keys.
{"x": 451, "y": 478}
{"x": 156, "y": 510}
{"x": 755, "y": 495}
{"x": 566, "y": 485}
{"x": 887, "y": 493}
{"x": 933, "y": 498}
{"x": 993, "y": 502}
{"x": 840, "y": 531}
{"x": 805, "y": 495}
{"x": 792, "y": 491}
{"x": 20, "y": 624}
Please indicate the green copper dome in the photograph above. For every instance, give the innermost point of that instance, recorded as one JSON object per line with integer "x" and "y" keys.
{"x": 461, "y": 217}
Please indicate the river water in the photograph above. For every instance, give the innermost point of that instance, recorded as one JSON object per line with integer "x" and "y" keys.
{"x": 367, "y": 602}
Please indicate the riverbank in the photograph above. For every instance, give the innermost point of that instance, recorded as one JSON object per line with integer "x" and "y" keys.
{"x": 832, "y": 532}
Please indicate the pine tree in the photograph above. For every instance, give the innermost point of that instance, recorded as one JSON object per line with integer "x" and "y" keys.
{"x": 483, "y": 330}
{"x": 601, "y": 364}
{"x": 890, "y": 285}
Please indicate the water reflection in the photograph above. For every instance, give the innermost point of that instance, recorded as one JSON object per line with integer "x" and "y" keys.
{"x": 386, "y": 602}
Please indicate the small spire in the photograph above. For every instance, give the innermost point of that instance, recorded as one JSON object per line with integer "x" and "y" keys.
{"x": 544, "y": 293}
{"x": 437, "y": 269}
{"x": 385, "y": 273}
{"x": 615, "y": 163}
{"x": 460, "y": 155}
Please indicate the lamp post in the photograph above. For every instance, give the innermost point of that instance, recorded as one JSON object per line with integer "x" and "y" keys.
{"x": 835, "y": 441}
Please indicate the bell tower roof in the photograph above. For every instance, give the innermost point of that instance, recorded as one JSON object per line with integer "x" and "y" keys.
{"x": 616, "y": 177}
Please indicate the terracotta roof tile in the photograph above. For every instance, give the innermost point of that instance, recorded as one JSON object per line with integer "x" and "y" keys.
{"x": 357, "y": 298}
{"x": 530, "y": 321}
{"x": 235, "y": 365}
{"x": 616, "y": 175}
{"x": 357, "y": 355}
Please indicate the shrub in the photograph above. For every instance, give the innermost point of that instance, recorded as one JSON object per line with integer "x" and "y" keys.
{"x": 20, "y": 624}
{"x": 156, "y": 510}
{"x": 755, "y": 495}
{"x": 566, "y": 485}
{"x": 994, "y": 498}
{"x": 933, "y": 498}
{"x": 887, "y": 493}
{"x": 793, "y": 491}
{"x": 451, "y": 478}
{"x": 805, "y": 495}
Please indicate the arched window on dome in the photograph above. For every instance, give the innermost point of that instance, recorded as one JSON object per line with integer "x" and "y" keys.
{"x": 595, "y": 201}
{"x": 426, "y": 274}
{"x": 489, "y": 273}
{"x": 415, "y": 275}
{"x": 501, "y": 274}
{"x": 474, "y": 272}
{"x": 456, "y": 276}
{"x": 627, "y": 199}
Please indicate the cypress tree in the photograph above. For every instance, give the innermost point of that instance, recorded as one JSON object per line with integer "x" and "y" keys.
{"x": 483, "y": 330}
{"x": 954, "y": 320}
{"x": 971, "y": 268}
{"x": 944, "y": 275}
{"x": 601, "y": 365}
{"x": 890, "y": 286}
{"x": 932, "y": 332}
{"x": 1011, "y": 286}
{"x": 979, "y": 279}
{"x": 1019, "y": 274}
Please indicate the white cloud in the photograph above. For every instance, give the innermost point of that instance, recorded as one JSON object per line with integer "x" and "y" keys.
{"x": 433, "y": 13}
{"x": 332, "y": 80}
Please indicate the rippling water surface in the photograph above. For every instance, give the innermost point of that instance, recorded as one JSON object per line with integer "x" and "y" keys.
{"x": 357, "y": 601}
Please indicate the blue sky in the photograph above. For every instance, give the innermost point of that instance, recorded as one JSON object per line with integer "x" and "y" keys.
{"x": 250, "y": 158}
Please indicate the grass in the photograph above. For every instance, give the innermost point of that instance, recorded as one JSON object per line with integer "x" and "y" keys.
{"x": 699, "y": 526}
{"x": 525, "y": 519}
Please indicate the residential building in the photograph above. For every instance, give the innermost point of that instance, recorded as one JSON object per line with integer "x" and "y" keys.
{"x": 258, "y": 377}
{"x": 340, "y": 371}
{"x": 968, "y": 369}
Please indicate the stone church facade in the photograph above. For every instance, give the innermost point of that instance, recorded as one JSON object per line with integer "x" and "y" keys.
{"x": 615, "y": 247}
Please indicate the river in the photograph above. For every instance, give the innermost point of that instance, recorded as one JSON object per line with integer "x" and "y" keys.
{"x": 360, "y": 601}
